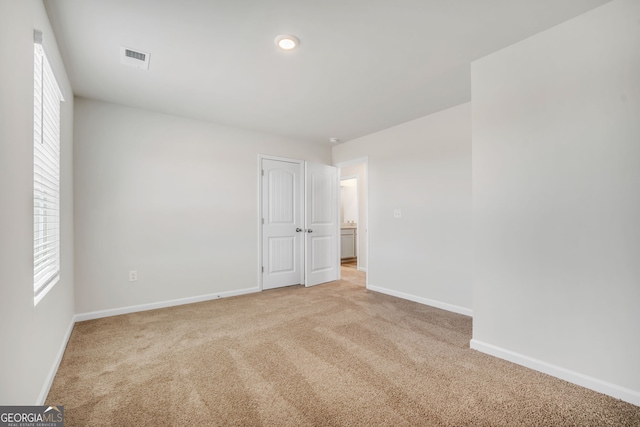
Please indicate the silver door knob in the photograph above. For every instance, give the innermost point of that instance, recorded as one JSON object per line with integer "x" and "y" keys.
{"x": 299, "y": 230}
{"x": 309, "y": 230}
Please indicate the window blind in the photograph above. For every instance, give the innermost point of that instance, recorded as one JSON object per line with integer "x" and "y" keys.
{"x": 46, "y": 172}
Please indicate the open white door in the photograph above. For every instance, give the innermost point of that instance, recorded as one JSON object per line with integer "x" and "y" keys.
{"x": 322, "y": 228}
{"x": 282, "y": 233}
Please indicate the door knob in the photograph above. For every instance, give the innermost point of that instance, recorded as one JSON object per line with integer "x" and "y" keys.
{"x": 299, "y": 230}
{"x": 309, "y": 230}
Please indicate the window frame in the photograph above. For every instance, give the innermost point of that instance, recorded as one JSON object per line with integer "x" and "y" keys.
{"x": 47, "y": 98}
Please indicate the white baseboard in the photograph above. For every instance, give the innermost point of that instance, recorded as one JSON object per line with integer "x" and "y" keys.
{"x": 56, "y": 363}
{"x": 162, "y": 304}
{"x": 421, "y": 300}
{"x": 613, "y": 390}
{"x": 362, "y": 269}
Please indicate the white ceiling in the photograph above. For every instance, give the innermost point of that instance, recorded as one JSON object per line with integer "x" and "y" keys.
{"x": 362, "y": 65}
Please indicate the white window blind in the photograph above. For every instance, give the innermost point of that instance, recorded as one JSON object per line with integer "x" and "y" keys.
{"x": 46, "y": 173}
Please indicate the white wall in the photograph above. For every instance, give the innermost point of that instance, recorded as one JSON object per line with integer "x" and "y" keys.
{"x": 360, "y": 170}
{"x": 422, "y": 167}
{"x": 31, "y": 337}
{"x": 556, "y": 193}
{"x": 349, "y": 200}
{"x": 173, "y": 198}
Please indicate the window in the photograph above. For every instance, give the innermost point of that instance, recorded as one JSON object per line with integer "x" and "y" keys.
{"x": 46, "y": 173}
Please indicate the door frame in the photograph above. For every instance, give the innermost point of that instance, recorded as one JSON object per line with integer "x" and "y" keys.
{"x": 260, "y": 258}
{"x": 365, "y": 227}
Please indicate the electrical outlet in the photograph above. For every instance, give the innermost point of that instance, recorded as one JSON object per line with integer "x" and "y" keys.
{"x": 133, "y": 275}
{"x": 397, "y": 213}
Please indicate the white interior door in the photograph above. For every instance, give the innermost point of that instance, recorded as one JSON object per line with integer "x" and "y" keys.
{"x": 282, "y": 230}
{"x": 321, "y": 224}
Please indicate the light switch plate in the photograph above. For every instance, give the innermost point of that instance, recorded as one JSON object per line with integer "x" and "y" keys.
{"x": 397, "y": 213}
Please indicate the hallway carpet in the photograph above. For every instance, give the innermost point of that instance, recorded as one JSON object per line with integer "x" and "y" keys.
{"x": 331, "y": 355}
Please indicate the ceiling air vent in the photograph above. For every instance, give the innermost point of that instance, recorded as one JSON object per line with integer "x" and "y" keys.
{"x": 134, "y": 58}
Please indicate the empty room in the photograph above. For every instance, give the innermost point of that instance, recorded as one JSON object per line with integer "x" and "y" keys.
{"x": 176, "y": 247}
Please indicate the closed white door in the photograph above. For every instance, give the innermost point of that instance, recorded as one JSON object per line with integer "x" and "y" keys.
{"x": 321, "y": 225}
{"x": 283, "y": 223}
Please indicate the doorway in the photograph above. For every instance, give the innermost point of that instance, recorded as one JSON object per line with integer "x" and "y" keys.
{"x": 354, "y": 191}
{"x": 349, "y": 221}
{"x": 299, "y": 225}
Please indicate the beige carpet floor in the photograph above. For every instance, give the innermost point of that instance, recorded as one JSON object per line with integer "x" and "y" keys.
{"x": 331, "y": 355}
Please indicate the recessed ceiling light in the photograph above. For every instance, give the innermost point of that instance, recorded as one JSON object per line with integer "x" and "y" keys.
{"x": 334, "y": 140}
{"x": 287, "y": 42}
